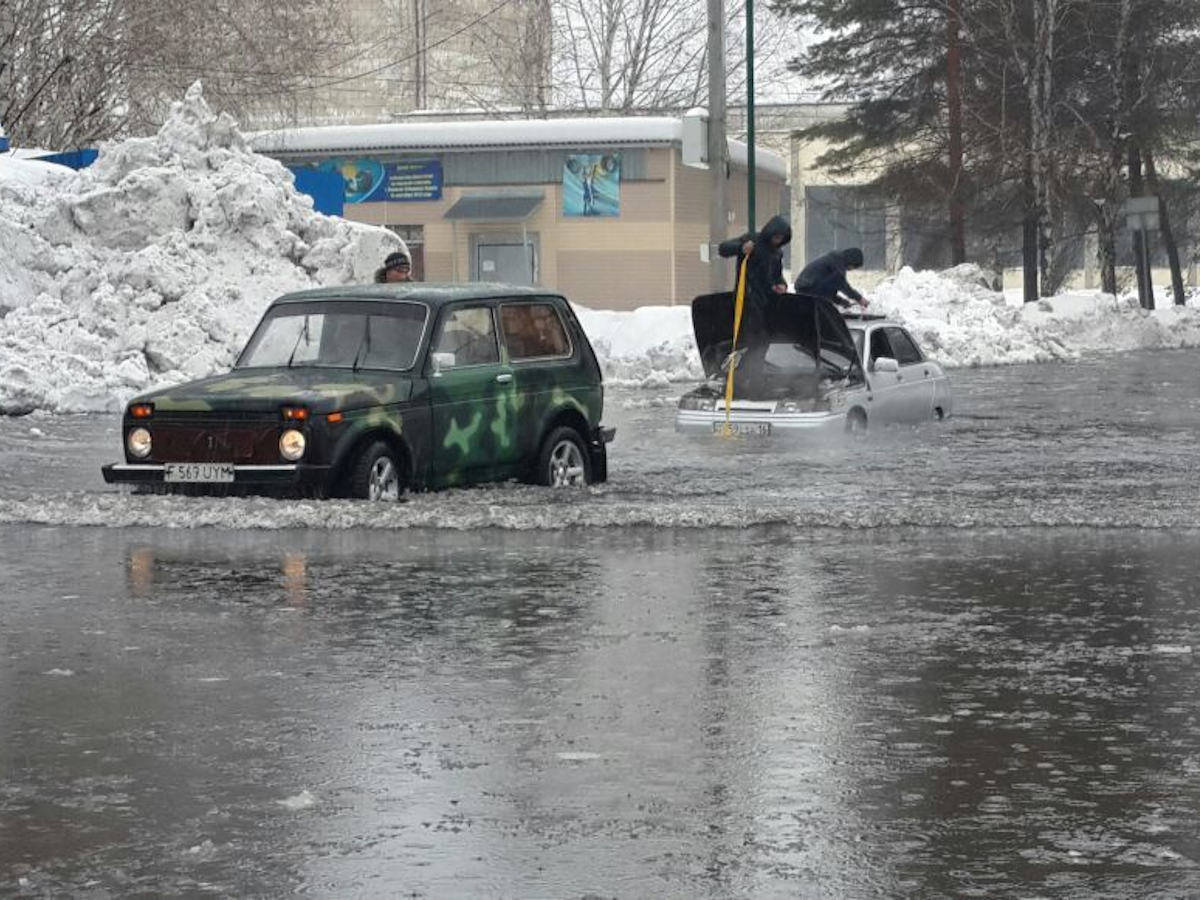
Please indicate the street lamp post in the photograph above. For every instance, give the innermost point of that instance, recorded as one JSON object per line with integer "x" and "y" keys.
{"x": 752, "y": 173}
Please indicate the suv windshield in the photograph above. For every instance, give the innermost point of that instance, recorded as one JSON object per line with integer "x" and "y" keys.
{"x": 337, "y": 334}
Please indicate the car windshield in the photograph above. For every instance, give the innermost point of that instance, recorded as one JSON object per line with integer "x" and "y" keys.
{"x": 857, "y": 334}
{"x": 337, "y": 334}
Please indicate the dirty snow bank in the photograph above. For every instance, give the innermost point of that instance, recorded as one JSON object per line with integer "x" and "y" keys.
{"x": 956, "y": 317}
{"x": 152, "y": 266}
{"x": 650, "y": 346}
{"x": 962, "y": 322}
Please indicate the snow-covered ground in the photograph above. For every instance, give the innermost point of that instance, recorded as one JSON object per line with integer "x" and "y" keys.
{"x": 152, "y": 266}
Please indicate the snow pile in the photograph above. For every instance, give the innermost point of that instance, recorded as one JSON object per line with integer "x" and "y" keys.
{"x": 650, "y": 346}
{"x": 153, "y": 265}
{"x": 960, "y": 321}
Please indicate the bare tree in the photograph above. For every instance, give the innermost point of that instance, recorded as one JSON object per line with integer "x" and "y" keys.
{"x": 61, "y": 67}
{"x": 622, "y": 55}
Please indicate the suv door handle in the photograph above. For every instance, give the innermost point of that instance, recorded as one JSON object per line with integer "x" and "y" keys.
{"x": 504, "y": 377}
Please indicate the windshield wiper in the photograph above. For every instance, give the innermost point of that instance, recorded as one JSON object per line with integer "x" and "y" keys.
{"x": 303, "y": 335}
{"x": 365, "y": 345}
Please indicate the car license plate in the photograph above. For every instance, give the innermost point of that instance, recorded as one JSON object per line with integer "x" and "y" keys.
{"x": 758, "y": 429}
{"x": 179, "y": 473}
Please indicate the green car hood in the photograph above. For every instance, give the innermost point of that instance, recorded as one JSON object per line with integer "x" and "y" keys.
{"x": 322, "y": 390}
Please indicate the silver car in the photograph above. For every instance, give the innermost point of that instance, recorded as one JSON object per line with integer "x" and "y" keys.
{"x": 868, "y": 371}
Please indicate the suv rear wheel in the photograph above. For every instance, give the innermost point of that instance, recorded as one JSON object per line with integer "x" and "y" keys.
{"x": 376, "y": 474}
{"x": 563, "y": 460}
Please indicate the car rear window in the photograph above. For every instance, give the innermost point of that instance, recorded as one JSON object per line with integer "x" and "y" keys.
{"x": 533, "y": 331}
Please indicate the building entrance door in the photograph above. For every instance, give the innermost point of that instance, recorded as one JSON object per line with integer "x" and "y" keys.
{"x": 510, "y": 263}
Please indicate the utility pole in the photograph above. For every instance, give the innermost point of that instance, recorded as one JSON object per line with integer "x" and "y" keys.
{"x": 419, "y": 62}
{"x": 718, "y": 218}
{"x": 958, "y": 230}
{"x": 751, "y": 165}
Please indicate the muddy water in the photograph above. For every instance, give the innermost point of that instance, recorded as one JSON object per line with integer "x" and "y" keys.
{"x": 611, "y": 713}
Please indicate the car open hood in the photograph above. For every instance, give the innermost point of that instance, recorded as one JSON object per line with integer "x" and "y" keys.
{"x": 791, "y": 318}
{"x": 265, "y": 390}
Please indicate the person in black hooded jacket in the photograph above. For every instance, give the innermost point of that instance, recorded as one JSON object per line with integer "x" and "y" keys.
{"x": 764, "y": 274}
{"x": 763, "y": 253}
{"x": 825, "y": 277}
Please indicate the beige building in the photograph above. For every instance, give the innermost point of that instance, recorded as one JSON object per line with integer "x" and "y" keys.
{"x": 505, "y": 200}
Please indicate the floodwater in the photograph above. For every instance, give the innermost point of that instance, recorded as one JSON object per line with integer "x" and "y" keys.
{"x": 952, "y": 662}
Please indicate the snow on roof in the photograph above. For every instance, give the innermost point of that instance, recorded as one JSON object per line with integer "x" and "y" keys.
{"x": 605, "y": 131}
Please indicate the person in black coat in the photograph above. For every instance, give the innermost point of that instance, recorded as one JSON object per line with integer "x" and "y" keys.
{"x": 763, "y": 253}
{"x": 825, "y": 277}
{"x": 764, "y": 274}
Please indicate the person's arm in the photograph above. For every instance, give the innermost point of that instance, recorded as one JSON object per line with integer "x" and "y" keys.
{"x": 733, "y": 246}
{"x": 844, "y": 288}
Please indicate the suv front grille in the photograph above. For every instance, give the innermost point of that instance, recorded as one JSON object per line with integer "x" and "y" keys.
{"x": 216, "y": 441}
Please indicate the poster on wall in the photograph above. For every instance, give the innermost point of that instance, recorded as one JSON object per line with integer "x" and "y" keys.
{"x": 592, "y": 184}
{"x": 371, "y": 181}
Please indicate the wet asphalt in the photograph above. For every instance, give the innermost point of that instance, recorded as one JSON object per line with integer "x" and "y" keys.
{"x": 951, "y": 662}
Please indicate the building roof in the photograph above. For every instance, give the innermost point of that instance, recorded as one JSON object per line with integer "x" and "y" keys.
{"x": 566, "y": 133}
{"x": 432, "y": 294}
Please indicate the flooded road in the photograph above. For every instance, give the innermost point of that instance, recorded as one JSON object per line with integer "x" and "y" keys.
{"x": 684, "y": 714}
{"x": 946, "y": 663}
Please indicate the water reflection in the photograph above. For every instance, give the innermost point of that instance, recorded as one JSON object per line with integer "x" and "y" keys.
{"x": 703, "y": 714}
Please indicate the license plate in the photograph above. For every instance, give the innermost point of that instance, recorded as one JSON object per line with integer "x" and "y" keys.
{"x": 758, "y": 429}
{"x": 180, "y": 473}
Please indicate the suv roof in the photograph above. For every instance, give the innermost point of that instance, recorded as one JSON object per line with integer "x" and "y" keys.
{"x": 434, "y": 294}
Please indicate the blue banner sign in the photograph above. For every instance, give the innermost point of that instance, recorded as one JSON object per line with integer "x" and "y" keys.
{"x": 371, "y": 181}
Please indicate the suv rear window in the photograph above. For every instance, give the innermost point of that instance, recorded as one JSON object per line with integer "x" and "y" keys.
{"x": 533, "y": 331}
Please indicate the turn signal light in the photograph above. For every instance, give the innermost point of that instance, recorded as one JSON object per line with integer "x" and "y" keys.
{"x": 141, "y": 410}
{"x": 334, "y": 418}
{"x": 295, "y": 413}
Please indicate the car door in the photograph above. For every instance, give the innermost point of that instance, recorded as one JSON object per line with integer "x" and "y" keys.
{"x": 915, "y": 375}
{"x": 471, "y": 396}
{"x": 545, "y": 364}
{"x": 888, "y": 403}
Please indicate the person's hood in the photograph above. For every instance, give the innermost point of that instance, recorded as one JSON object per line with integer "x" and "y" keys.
{"x": 791, "y": 318}
{"x": 322, "y": 390}
{"x": 777, "y": 225}
{"x": 852, "y": 257}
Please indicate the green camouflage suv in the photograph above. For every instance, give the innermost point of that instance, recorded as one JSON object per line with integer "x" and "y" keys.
{"x": 369, "y": 391}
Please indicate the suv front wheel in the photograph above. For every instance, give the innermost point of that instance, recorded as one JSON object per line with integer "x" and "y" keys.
{"x": 376, "y": 474}
{"x": 563, "y": 460}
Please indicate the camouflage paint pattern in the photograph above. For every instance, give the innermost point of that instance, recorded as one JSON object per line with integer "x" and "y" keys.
{"x": 459, "y": 426}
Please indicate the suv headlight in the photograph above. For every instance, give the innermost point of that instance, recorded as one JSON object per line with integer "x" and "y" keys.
{"x": 138, "y": 443}
{"x": 688, "y": 401}
{"x": 291, "y": 445}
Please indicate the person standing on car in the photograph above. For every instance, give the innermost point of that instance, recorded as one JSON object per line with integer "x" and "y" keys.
{"x": 763, "y": 255}
{"x": 397, "y": 269}
{"x": 825, "y": 277}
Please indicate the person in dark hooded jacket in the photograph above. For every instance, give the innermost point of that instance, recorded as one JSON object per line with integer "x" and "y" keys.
{"x": 763, "y": 253}
{"x": 825, "y": 277}
{"x": 764, "y": 274}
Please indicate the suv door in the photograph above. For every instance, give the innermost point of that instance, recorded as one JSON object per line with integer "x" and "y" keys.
{"x": 547, "y": 365}
{"x": 472, "y": 398}
{"x": 916, "y": 378}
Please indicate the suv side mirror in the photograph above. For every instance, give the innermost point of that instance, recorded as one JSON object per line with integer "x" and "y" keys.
{"x": 441, "y": 360}
{"x": 885, "y": 364}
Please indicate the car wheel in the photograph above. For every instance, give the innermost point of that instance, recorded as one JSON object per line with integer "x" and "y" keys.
{"x": 563, "y": 460}
{"x": 377, "y": 475}
{"x": 856, "y": 423}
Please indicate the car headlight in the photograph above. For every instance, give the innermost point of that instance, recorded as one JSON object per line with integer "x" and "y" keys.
{"x": 291, "y": 445}
{"x": 689, "y": 401}
{"x": 138, "y": 442}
